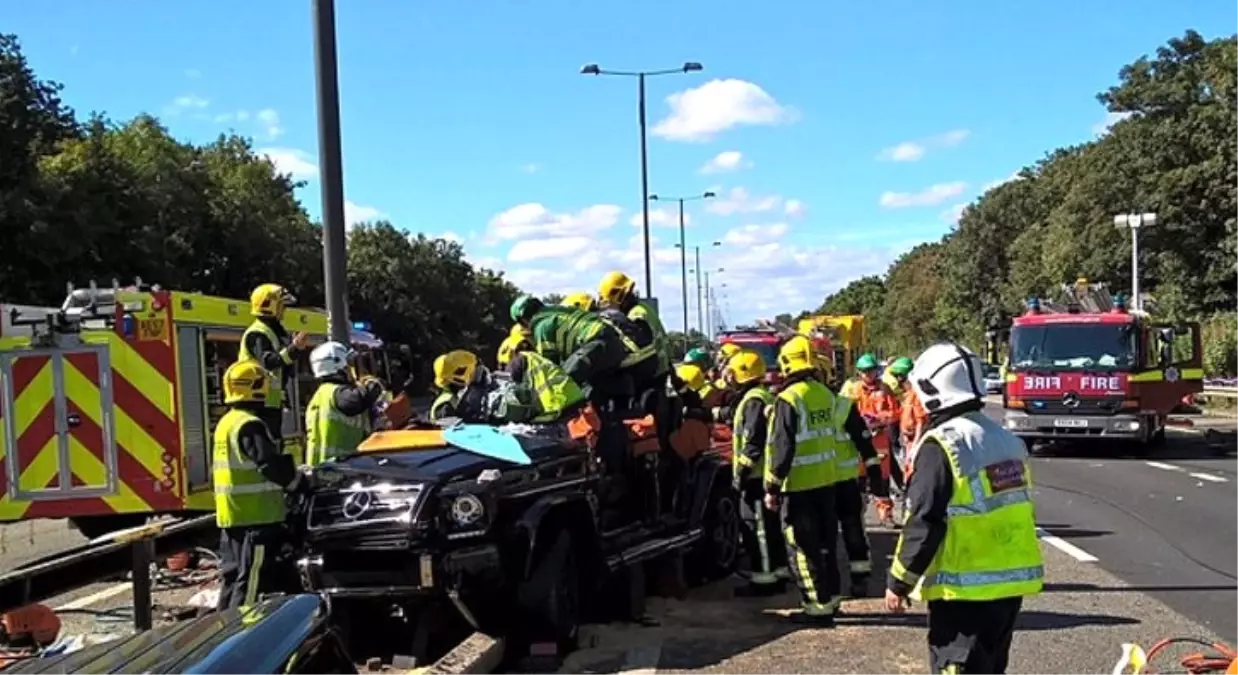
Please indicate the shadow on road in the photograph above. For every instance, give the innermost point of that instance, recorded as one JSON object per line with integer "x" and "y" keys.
{"x": 1042, "y": 620}
{"x": 1093, "y": 588}
{"x": 1069, "y": 532}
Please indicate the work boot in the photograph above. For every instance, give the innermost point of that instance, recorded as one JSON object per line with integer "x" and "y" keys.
{"x": 859, "y": 585}
{"x": 813, "y": 620}
{"x": 751, "y": 590}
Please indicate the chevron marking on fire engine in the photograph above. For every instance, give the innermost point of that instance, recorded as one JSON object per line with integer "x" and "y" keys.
{"x": 29, "y": 403}
{"x": 129, "y": 364}
{"x": 92, "y": 471}
{"x": 127, "y": 434}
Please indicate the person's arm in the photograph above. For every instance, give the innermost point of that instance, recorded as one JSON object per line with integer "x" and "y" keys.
{"x": 274, "y": 464}
{"x": 359, "y": 398}
{"x": 642, "y": 332}
{"x": 272, "y": 359}
{"x": 863, "y": 439}
{"x": 929, "y": 493}
{"x": 782, "y": 439}
{"x": 752, "y": 435}
{"x": 518, "y": 367}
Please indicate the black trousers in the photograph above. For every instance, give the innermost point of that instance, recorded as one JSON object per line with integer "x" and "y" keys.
{"x": 761, "y": 534}
{"x": 849, "y": 503}
{"x": 247, "y": 563}
{"x": 971, "y": 637}
{"x": 810, "y": 525}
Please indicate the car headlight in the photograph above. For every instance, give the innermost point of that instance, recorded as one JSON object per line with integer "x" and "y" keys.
{"x": 467, "y": 510}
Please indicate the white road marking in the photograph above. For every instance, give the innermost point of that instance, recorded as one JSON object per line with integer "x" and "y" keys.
{"x": 82, "y": 603}
{"x": 1209, "y": 477}
{"x": 1066, "y": 547}
{"x": 642, "y": 660}
{"x": 1162, "y": 465}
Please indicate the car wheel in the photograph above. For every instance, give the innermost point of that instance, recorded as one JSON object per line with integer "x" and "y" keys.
{"x": 549, "y": 597}
{"x": 717, "y": 554}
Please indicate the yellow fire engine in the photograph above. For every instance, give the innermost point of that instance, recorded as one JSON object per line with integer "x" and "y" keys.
{"x": 107, "y": 403}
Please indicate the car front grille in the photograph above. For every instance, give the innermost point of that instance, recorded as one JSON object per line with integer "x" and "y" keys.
{"x": 1086, "y": 406}
{"x": 364, "y": 506}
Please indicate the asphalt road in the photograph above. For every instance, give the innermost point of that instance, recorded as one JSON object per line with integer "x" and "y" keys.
{"x": 1164, "y": 523}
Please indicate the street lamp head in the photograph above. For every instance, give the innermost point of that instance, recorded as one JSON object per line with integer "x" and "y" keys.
{"x": 708, "y": 195}
{"x": 653, "y": 198}
{"x": 590, "y": 69}
{"x": 717, "y": 243}
{"x": 692, "y": 67}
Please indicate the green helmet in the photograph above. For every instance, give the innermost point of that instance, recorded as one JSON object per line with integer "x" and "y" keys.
{"x": 901, "y": 366}
{"x": 866, "y": 362}
{"x": 699, "y": 356}
{"x": 525, "y": 306}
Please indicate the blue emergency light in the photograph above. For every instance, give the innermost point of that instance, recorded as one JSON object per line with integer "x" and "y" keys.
{"x": 361, "y": 325}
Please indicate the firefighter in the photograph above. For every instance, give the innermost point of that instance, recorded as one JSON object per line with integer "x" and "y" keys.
{"x": 338, "y": 417}
{"x": 582, "y": 301}
{"x": 517, "y": 341}
{"x": 801, "y": 472}
{"x": 762, "y": 536}
{"x": 267, "y": 342}
{"x": 972, "y": 521}
{"x": 553, "y": 394}
{"x": 463, "y": 384}
{"x": 857, "y": 462}
{"x": 251, "y": 475}
{"x": 880, "y": 409}
{"x": 617, "y": 290}
{"x": 699, "y": 357}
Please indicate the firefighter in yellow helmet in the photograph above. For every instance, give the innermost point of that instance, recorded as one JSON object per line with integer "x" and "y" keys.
{"x": 618, "y": 291}
{"x": 463, "y": 384}
{"x": 550, "y": 393}
{"x": 518, "y": 340}
{"x": 582, "y": 301}
{"x": 268, "y": 342}
{"x": 251, "y": 475}
{"x": 762, "y": 536}
{"x": 800, "y": 475}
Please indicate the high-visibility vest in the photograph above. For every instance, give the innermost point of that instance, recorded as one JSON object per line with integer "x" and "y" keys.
{"x": 848, "y": 457}
{"x": 555, "y": 391}
{"x": 441, "y": 407}
{"x": 330, "y": 434}
{"x": 990, "y": 551}
{"x": 738, "y": 460}
{"x": 243, "y": 496}
{"x": 815, "y": 448}
{"x": 643, "y": 312}
{"x": 275, "y": 399}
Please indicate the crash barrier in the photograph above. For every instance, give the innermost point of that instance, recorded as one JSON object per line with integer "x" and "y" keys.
{"x": 1219, "y": 392}
{"x": 132, "y": 550}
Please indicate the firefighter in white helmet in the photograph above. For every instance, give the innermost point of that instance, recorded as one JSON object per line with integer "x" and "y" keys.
{"x": 338, "y": 417}
{"x": 971, "y": 521}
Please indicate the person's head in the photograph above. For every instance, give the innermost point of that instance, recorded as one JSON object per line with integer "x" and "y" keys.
{"x": 618, "y": 290}
{"x": 901, "y": 368}
{"x": 330, "y": 360}
{"x": 796, "y": 356}
{"x": 868, "y": 368}
{"x": 700, "y": 357}
{"x": 746, "y": 368}
{"x": 947, "y": 378}
{"x": 245, "y": 382}
{"x": 514, "y": 344}
{"x": 270, "y": 300}
{"x": 524, "y": 307}
{"x": 582, "y": 301}
{"x": 691, "y": 375}
{"x": 454, "y": 370}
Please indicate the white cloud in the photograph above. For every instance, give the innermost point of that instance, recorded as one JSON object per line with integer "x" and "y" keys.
{"x": 534, "y": 220}
{"x": 357, "y": 213}
{"x": 1111, "y": 118}
{"x": 451, "y": 236}
{"x": 661, "y": 217}
{"x": 699, "y": 114}
{"x": 930, "y": 196}
{"x": 550, "y": 248}
{"x": 952, "y": 214}
{"x": 300, "y": 164}
{"x": 188, "y": 102}
{"x": 740, "y": 200}
{"x": 910, "y": 151}
{"x": 794, "y": 208}
{"x": 1012, "y": 177}
{"x": 726, "y": 162}
{"x": 748, "y": 235}
{"x": 269, "y": 119}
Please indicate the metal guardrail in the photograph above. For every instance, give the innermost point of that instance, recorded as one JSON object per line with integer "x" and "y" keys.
{"x": 131, "y": 550}
{"x": 1220, "y": 392}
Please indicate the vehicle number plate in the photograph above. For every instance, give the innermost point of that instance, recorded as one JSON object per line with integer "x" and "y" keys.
{"x": 1070, "y": 423}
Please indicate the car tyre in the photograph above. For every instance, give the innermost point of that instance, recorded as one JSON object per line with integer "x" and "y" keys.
{"x": 717, "y": 554}
{"x": 549, "y": 599}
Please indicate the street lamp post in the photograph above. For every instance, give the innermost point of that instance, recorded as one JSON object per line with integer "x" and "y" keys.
{"x": 335, "y": 278}
{"x": 709, "y": 305}
{"x": 687, "y": 67}
{"x": 1134, "y": 221}
{"x": 683, "y": 249}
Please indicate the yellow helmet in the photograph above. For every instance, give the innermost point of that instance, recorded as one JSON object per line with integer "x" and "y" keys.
{"x": 270, "y": 300}
{"x": 692, "y": 376}
{"x": 728, "y": 350}
{"x": 520, "y": 331}
{"x": 796, "y": 356}
{"x": 246, "y": 382}
{"x": 616, "y": 287}
{"x": 513, "y": 345}
{"x": 582, "y": 301}
{"x": 746, "y": 366}
{"x": 456, "y": 368}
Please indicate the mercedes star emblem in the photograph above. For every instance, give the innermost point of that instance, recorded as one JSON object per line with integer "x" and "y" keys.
{"x": 357, "y": 503}
{"x": 1070, "y": 399}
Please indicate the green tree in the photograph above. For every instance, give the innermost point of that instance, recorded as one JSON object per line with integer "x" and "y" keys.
{"x": 861, "y": 296}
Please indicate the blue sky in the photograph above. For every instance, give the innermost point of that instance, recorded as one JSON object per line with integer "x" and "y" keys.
{"x": 837, "y": 135}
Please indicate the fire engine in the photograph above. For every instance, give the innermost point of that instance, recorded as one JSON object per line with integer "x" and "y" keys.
{"x": 1088, "y": 367}
{"x": 766, "y": 337}
{"x": 107, "y": 403}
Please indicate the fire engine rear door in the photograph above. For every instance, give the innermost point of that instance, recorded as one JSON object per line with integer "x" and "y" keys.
{"x": 58, "y": 423}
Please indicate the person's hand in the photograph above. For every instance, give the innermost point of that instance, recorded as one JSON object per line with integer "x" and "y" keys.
{"x": 771, "y": 501}
{"x": 896, "y": 603}
{"x": 300, "y": 339}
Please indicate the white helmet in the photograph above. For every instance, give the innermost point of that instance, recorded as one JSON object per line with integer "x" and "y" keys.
{"x": 328, "y": 359}
{"x": 947, "y": 375}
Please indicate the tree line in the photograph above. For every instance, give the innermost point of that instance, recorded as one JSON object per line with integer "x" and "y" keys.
{"x": 99, "y": 199}
{"x": 1172, "y": 153}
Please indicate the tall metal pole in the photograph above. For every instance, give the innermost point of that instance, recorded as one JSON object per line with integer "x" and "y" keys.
{"x": 1135, "y": 299}
{"x": 335, "y": 277}
{"x": 700, "y": 309}
{"x": 644, "y": 190}
{"x": 709, "y": 316}
{"x": 683, "y": 266}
